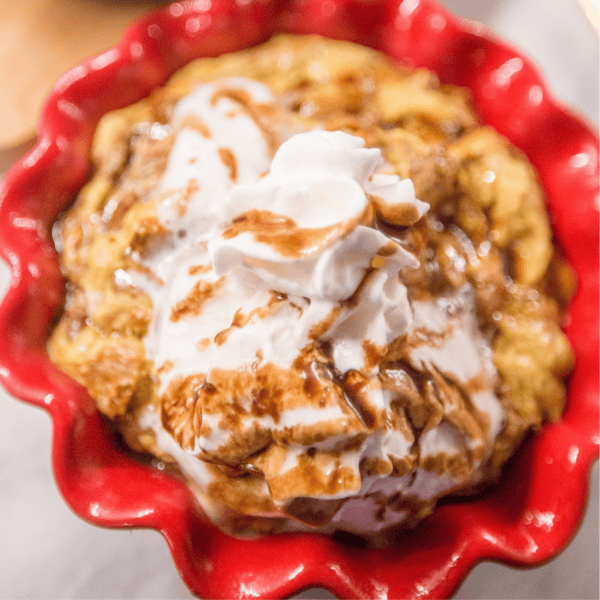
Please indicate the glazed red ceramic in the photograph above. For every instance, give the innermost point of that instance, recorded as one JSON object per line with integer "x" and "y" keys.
{"x": 536, "y": 507}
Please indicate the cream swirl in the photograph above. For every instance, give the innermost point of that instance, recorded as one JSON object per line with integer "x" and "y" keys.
{"x": 301, "y": 223}
{"x": 275, "y": 300}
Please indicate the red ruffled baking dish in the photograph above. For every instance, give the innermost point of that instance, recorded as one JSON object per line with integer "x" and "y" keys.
{"x": 527, "y": 518}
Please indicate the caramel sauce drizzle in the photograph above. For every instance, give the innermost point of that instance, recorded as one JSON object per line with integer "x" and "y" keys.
{"x": 195, "y": 123}
{"x": 229, "y": 160}
{"x": 282, "y": 233}
{"x": 191, "y": 305}
{"x": 257, "y": 112}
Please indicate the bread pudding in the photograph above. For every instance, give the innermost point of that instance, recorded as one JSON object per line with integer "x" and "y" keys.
{"x": 313, "y": 284}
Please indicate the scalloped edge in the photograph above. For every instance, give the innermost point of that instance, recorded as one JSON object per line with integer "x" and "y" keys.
{"x": 25, "y": 249}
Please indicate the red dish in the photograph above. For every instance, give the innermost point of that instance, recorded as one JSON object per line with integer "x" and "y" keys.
{"x": 533, "y": 511}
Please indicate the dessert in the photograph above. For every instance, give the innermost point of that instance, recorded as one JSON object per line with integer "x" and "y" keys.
{"x": 322, "y": 290}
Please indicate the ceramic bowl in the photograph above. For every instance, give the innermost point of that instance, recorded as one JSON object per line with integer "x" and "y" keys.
{"x": 536, "y": 507}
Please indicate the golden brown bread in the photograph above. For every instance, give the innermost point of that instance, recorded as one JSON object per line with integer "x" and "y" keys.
{"x": 487, "y": 228}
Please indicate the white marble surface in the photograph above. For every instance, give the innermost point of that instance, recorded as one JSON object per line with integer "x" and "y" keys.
{"x": 47, "y": 552}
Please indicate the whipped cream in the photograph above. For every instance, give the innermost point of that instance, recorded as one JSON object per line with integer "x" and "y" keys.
{"x": 275, "y": 301}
